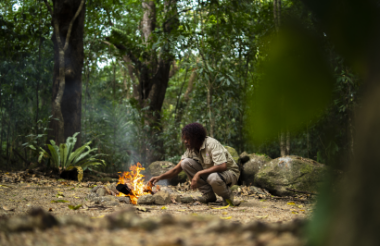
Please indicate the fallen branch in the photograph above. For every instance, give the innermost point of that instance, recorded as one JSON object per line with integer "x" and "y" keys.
{"x": 300, "y": 191}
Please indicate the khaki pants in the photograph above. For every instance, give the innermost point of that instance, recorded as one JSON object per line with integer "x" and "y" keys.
{"x": 213, "y": 182}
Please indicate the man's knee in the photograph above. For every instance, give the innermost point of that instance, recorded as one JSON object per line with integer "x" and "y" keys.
{"x": 214, "y": 179}
{"x": 185, "y": 163}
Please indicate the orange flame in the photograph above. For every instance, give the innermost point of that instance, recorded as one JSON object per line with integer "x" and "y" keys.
{"x": 134, "y": 180}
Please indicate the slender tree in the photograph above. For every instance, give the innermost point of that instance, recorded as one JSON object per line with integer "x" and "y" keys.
{"x": 151, "y": 72}
{"x": 68, "y": 25}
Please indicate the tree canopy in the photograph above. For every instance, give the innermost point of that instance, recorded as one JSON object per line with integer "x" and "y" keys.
{"x": 151, "y": 67}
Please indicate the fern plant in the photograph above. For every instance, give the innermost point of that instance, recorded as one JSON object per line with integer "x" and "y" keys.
{"x": 64, "y": 157}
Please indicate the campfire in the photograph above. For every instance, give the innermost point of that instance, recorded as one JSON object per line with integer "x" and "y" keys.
{"x": 132, "y": 184}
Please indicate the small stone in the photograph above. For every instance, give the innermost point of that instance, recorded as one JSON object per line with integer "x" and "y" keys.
{"x": 111, "y": 203}
{"x": 235, "y": 188}
{"x": 101, "y": 191}
{"x": 187, "y": 199}
{"x": 256, "y": 226}
{"x": 80, "y": 221}
{"x": 92, "y": 196}
{"x": 96, "y": 188}
{"x": 145, "y": 224}
{"x": 146, "y": 199}
{"x": 175, "y": 198}
{"x": 104, "y": 199}
{"x": 37, "y": 218}
{"x": 108, "y": 191}
{"x": 123, "y": 219}
{"x": 162, "y": 198}
{"x": 219, "y": 226}
{"x": 124, "y": 199}
{"x": 167, "y": 219}
{"x": 257, "y": 190}
{"x": 112, "y": 187}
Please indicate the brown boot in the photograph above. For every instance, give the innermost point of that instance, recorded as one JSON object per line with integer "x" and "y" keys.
{"x": 207, "y": 197}
{"x": 230, "y": 200}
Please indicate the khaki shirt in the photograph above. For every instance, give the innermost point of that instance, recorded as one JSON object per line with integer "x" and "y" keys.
{"x": 213, "y": 153}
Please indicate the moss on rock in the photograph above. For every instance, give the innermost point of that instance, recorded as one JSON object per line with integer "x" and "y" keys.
{"x": 292, "y": 172}
{"x": 252, "y": 163}
{"x": 160, "y": 167}
{"x": 233, "y": 153}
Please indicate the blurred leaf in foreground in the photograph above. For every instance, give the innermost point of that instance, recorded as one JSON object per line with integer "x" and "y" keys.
{"x": 295, "y": 86}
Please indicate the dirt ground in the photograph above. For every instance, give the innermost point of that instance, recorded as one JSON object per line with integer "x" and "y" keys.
{"x": 266, "y": 221}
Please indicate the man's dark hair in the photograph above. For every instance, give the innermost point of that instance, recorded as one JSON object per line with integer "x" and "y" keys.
{"x": 195, "y": 133}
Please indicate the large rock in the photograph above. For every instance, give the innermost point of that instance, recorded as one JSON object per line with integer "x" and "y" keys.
{"x": 160, "y": 167}
{"x": 145, "y": 199}
{"x": 291, "y": 172}
{"x": 162, "y": 198}
{"x": 252, "y": 163}
{"x": 233, "y": 153}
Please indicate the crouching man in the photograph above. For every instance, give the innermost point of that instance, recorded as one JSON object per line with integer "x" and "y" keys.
{"x": 208, "y": 165}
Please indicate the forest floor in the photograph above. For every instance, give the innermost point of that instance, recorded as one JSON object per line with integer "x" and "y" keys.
{"x": 254, "y": 222}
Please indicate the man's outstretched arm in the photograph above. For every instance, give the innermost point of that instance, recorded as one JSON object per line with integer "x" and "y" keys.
{"x": 169, "y": 174}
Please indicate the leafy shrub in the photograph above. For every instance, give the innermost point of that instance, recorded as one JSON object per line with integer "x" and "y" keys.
{"x": 64, "y": 156}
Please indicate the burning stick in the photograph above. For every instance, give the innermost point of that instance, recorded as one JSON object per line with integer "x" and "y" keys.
{"x": 132, "y": 184}
{"x": 123, "y": 188}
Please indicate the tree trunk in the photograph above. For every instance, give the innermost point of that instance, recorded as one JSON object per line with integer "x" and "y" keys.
{"x": 349, "y": 215}
{"x": 282, "y": 144}
{"x": 2, "y": 115}
{"x": 287, "y": 142}
{"x": 356, "y": 211}
{"x": 86, "y": 94}
{"x": 126, "y": 82}
{"x": 68, "y": 22}
{"x": 277, "y": 13}
{"x": 153, "y": 76}
{"x": 209, "y": 108}
{"x": 308, "y": 144}
{"x": 186, "y": 97}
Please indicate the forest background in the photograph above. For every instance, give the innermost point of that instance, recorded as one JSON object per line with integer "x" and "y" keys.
{"x": 138, "y": 71}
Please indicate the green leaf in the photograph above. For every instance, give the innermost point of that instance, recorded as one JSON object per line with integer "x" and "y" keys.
{"x": 54, "y": 155}
{"x": 63, "y": 154}
{"x": 75, "y": 207}
{"x": 32, "y": 147}
{"x": 78, "y": 152}
{"x": 59, "y": 201}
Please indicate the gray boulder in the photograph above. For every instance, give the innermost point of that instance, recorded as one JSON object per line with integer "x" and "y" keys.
{"x": 101, "y": 191}
{"x": 251, "y": 163}
{"x": 187, "y": 199}
{"x": 160, "y": 167}
{"x": 145, "y": 199}
{"x": 291, "y": 172}
{"x": 162, "y": 198}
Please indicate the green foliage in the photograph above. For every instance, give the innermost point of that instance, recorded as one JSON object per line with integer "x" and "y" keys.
{"x": 64, "y": 156}
{"x": 232, "y": 48}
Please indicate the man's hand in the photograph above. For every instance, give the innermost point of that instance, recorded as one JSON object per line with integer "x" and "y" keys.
{"x": 194, "y": 181}
{"x": 154, "y": 180}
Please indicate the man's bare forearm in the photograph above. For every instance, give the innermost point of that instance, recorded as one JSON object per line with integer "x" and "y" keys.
{"x": 172, "y": 172}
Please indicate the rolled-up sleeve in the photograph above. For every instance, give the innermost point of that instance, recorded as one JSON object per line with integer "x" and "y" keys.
{"x": 218, "y": 154}
{"x": 185, "y": 155}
